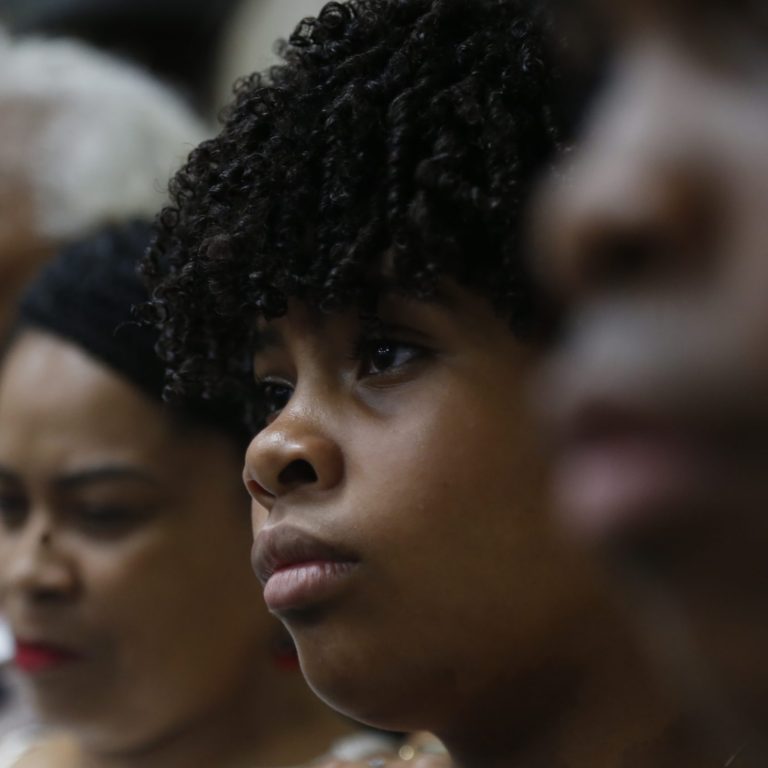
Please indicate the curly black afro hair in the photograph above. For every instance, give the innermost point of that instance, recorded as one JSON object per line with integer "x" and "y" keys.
{"x": 405, "y": 130}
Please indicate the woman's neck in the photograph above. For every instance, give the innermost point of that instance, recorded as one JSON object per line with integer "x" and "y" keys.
{"x": 289, "y": 726}
{"x": 603, "y": 709}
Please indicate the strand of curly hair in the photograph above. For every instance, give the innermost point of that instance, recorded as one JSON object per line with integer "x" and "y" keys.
{"x": 401, "y": 130}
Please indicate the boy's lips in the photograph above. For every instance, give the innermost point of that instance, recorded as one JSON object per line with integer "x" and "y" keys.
{"x": 297, "y": 569}
{"x": 35, "y": 657}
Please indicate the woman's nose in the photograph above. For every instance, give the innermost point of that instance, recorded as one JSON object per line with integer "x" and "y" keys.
{"x": 35, "y": 566}
{"x": 292, "y": 454}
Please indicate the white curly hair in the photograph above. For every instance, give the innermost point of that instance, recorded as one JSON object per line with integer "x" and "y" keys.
{"x": 92, "y": 138}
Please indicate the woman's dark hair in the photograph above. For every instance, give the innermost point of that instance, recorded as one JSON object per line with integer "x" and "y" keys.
{"x": 88, "y": 296}
{"x": 405, "y": 132}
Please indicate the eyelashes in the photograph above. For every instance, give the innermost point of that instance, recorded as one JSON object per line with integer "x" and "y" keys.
{"x": 273, "y": 396}
{"x": 381, "y": 355}
{"x": 375, "y": 357}
{"x": 94, "y": 520}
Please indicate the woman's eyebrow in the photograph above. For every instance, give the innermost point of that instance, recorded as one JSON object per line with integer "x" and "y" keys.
{"x": 106, "y": 473}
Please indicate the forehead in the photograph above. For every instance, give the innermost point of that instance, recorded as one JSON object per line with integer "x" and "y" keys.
{"x": 692, "y": 8}
{"x": 711, "y": 19}
{"x": 61, "y": 408}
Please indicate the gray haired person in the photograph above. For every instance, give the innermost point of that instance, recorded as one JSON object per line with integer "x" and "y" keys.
{"x": 85, "y": 140}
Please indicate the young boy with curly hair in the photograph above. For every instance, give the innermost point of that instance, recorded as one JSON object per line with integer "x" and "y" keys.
{"x": 352, "y": 237}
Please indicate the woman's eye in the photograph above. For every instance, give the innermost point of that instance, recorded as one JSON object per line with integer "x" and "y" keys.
{"x": 378, "y": 356}
{"x": 107, "y": 519}
{"x": 273, "y": 396}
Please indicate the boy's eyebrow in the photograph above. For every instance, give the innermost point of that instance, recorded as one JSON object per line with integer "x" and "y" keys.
{"x": 439, "y": 298}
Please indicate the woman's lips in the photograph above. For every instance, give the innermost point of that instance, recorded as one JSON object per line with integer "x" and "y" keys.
{"x": 298, "y": 570}
{"x": 36, "y": 657}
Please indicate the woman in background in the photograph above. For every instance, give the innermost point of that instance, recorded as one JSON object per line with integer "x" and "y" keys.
{"x": 124, "y": 546}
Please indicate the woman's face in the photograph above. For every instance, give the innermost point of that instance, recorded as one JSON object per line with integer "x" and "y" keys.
{"x": 124, "y": 552}
{"x": 405, "y": 545}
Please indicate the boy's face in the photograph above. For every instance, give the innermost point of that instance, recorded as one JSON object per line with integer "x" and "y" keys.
{"x": 656, "y": 242}
{"x": 404, "y": 544}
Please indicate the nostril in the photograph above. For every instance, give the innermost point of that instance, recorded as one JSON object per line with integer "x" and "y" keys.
{"x": 298, "y": 472}
{"x": 257, "y": 491}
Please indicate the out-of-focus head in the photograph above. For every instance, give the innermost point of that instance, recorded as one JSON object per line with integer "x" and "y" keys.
{"x": 124, "y": 527}
{"x": 653, "y": 237}
{"x": 85, "y": 140}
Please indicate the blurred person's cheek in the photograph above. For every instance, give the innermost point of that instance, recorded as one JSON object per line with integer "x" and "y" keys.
{"x": 652, "y": 239}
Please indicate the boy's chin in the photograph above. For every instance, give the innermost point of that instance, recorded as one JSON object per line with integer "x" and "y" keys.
{"x": 371, "y": 699}
{"x": 356, "y": 679}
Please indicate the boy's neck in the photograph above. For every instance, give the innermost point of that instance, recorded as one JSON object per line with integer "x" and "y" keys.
{"x": 604, "y": 710}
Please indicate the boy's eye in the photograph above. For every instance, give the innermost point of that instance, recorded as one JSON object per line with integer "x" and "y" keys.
{"x": 273, "y": 396}
{"x": 378, "y": 356}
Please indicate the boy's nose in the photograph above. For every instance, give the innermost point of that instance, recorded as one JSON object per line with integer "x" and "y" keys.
{"x": 291, "y": 454}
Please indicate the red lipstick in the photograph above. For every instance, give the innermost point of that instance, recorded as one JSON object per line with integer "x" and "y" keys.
{"x": 33, "y": 658}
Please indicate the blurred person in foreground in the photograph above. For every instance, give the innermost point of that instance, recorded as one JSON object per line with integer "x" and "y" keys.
{"x": 125, "y": 542}
{"x": 654, "y": 235}
{"x": 84, "y": 140}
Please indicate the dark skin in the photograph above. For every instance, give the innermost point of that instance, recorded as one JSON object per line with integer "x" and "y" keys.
{"x": 125, "y": 537}
{"x": 654, "y": 240}
{"x": 410, "y": 448}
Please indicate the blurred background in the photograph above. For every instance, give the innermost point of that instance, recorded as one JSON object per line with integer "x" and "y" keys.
{"x": 200, "y": 47}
